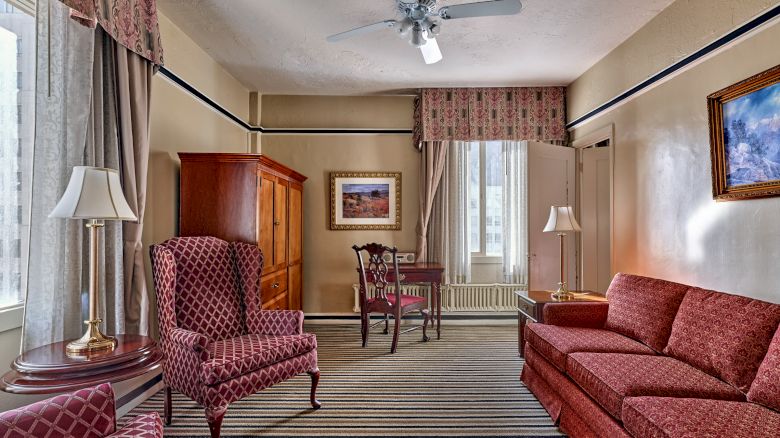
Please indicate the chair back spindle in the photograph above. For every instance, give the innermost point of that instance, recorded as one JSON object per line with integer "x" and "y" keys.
{"x": 374, "y": 272}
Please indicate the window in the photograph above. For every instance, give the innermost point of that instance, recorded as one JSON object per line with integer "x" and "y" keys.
{"x": 17, "y": 125}
{"x": 485, "y": 198}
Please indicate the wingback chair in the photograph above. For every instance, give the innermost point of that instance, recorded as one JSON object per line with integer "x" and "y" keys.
{"x": 219, "y": 345}
{"x": 86, "y": 413}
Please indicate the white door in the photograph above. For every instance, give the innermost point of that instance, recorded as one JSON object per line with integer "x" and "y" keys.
{"x": 595, "y": 200}
{"x": 551, "y": 181}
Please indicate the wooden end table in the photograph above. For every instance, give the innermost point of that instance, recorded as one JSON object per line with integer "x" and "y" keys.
{"x": 530, "y": 306}
{"x": 48, "y": 370}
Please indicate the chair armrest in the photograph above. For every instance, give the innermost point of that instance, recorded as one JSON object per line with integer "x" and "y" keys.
{"x": 143, "y": 426}
{"x": 588, "y": 315}
{"x": 276, "y": 322}
{"x": 188, "y": 339}
{"x": 60, "y": 412}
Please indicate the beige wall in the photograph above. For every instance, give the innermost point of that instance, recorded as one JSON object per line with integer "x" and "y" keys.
{"x": 681, "y": 29}
{"x": 179, "y": 123}
{"x": 666, "y": 223}
{"x": 329, "y": 262}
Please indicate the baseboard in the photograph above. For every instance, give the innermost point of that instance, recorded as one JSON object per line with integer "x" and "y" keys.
{"x": 461, "y": 318}
{"x": 139, "y": 394}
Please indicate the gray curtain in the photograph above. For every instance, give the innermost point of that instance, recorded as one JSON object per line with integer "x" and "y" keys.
{"x": 448, "y": 232}
{"x": 58, "y": 261}
{"x": 432, "y": 158}
{"x": 134, "y": 89}
{"x": 92, "y": 109}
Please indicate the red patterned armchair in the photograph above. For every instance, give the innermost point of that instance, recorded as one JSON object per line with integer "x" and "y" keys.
{"x": 86, "y": 413}
{"x": 219, "y": 345}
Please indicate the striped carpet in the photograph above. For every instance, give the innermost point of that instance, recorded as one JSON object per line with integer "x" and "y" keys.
{"x": 465, "y": 385}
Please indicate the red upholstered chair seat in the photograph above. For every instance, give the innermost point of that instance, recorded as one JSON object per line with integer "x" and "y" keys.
{"x": 234, "y": 357}
{"x": 610, "y": 377}
{"x": 556, "y": 342}
{"x": 405, "y": 299}
{"x": 690, "y": 417}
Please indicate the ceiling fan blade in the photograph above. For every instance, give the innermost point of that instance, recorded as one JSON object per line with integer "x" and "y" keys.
{"x": 431, "y": 52}
{"x": 481, "y": 9}
{"x": 362, "y": 30}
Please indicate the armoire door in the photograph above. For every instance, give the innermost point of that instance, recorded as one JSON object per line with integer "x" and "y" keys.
{"x": 295, "y": 245}
{"x": 280, "y": 224}
{"x": 551, "y": 181}
{"x": 265, "y": 213}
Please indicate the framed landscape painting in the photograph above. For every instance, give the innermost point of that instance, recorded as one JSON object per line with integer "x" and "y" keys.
{"x": 365, "y": 200}
{"x": 745, "y": 138}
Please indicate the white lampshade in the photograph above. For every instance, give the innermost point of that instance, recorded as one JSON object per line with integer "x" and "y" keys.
{"x": 94, "y": 193}
{"x": 561, "y": 220}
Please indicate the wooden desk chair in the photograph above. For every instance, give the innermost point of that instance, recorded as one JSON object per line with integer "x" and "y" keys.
{"x": 375, "y": 297}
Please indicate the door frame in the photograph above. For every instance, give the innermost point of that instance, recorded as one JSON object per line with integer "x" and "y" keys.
{"x": 596, "y": 136}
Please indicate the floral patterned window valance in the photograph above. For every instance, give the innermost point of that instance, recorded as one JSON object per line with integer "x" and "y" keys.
{"x": 535, "y": 113}
{"x": 132, "y": 23}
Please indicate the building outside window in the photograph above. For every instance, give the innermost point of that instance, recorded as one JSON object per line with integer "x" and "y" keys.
{"x": 17, "y": 124}
{"x": 485, "y": 199}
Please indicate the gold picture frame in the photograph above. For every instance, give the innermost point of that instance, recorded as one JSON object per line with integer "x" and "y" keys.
{"x": 743, "y": 148}
{"x": 365, "y": 200}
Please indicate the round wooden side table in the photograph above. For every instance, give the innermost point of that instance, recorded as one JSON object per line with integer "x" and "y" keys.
{"x": 48, "y": 369}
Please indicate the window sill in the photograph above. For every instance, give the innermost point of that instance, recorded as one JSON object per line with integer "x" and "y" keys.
{"x": 11, "y": 317}
{"x": 486, "y": 260}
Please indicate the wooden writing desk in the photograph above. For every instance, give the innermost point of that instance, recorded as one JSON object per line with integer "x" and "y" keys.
{"x": 422, "y": 273}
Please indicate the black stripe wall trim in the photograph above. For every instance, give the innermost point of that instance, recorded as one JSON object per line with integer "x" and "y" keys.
{"x": 251, "y": 128}
{"x": 730, "y": 37}
{"x": 136, "y": 392}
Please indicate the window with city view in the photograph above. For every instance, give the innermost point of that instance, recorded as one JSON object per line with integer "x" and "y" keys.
{"x": 17, "y": 113}
{"x": 485, "y": 198}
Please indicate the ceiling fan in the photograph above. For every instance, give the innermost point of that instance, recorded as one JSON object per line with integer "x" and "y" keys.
{"x": 420, "y": 22}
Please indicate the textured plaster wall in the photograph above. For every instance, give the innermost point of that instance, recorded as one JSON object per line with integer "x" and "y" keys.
{"x": 329, "y": 262}
{"x": 666, "y": 223}
{"x": 181, "y": 123}
{"x": 679, "y": 30}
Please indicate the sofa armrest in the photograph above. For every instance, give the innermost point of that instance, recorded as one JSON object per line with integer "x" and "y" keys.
{"x": 64, "y": 413}
{"x": 588, "y": 315}
{"x": 276, "y": 322}
{"x": 143, "y": 426}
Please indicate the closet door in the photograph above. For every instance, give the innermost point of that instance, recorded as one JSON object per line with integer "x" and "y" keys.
{"x": 551, "y": 181}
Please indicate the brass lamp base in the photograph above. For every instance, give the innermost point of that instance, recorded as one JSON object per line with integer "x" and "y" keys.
{"x": 93, "y": 341}
{"x": 562, "y": 294}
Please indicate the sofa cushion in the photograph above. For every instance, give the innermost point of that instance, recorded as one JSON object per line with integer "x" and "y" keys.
{"x": 766, "y": 386}
{"x": 235, "y": 357}
{"x": 555, "y": 342}
{"x": 724, "y": 335}
{"x": 643, "y": 308}
{"x": 610, "y": 377}
{"x": 690, "y": 417}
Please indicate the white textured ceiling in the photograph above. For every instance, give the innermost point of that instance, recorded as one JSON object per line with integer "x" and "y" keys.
{"x": 279, "y": 47}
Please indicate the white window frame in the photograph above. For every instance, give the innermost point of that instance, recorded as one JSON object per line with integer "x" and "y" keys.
{"x": 12, "y": 315}
{"x": 481, "y": 257}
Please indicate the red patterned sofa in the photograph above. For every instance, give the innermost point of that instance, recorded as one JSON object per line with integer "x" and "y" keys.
{"x": 661, "y": 359}
{"x": 86, "y": 413}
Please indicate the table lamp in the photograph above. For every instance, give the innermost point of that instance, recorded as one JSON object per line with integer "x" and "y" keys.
{"x": 562, "y": 221}
{"x": 94, "y": 194}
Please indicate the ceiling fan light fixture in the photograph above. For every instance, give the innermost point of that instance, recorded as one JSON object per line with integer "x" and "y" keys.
{"x": 418, "y": 37}
{"x": 431, "y": 52}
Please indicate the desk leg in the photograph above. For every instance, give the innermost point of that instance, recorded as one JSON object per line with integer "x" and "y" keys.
{"x": 437, "y": 288}
{"x": 521, "y": 320}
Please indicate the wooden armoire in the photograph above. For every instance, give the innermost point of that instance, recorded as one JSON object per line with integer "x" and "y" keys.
{"x": 249, "y": 198}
